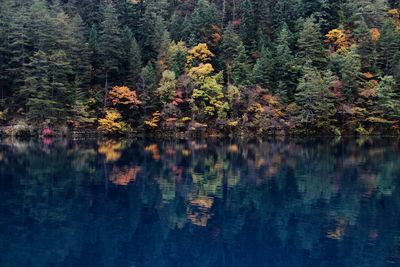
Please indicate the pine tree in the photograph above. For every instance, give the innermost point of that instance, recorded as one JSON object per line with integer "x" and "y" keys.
{"x": 152, "y": 30}
{"x": 248, "y": 25}
{"x": 315, "y": 99}
{"x": 388, "y": 48}
{"x": 126, "y": 44}
{"x": 19, "y": 50}
{"x": 177, "y": 27}
{"x": 373, "y": 12}
{"x": 80, "y": 56}
{"x": 135, "y": 63}
{"x": 204, "y": 23}
{"x": 310, "y": 44}
{"x": 41, "y": 27}
{"x": 387, "y": 98}
{"x": 365, "y": 47}
{"x": 94, "y": 47}
{"x": 110, "y": 47}
{"x": 6, "y": 11}
{"x": 62, "y": 91}
{"x": 229, "y": 44}
{"x": 240, "y": 66}
{"x": 263, "y": 70}
{"x": 37, "y": 89}
{"x": 285, "y": 69}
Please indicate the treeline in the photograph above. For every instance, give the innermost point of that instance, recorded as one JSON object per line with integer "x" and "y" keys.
{"x": 264, "y": 67}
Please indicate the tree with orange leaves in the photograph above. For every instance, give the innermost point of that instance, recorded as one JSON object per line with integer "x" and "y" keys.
{"x": 337, "y": 39}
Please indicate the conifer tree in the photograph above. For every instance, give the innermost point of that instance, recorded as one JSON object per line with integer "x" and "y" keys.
{"x": 310, "y": 44}
{"x": 285, "y": 69}
{"x": 110, "y": 47}
{"x": 37, "y": 89}
{"x": 315, "y": 98}
{"x": 387, "y": 100}
{"x": 388, "y": 48}
{"x": 263, "y": 70}
{"x": 241, "y": 67}
{"x": 248, "y": 25}
{"x": 366, "y": 48}
{"x": 135, "y": 63}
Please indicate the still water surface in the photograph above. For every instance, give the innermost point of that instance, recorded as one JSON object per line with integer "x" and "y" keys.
{"x": 279, "y": 203}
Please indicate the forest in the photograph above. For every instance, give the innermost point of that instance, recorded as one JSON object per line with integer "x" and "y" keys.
{"x": 262, "y": 67}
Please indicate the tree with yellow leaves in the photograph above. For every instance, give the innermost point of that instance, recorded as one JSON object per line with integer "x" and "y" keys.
{"x": 112, "y": 123}
{"x": 207, "y": 98}
{"x": 199, "y": 54}
{"x": 337, "y": 40}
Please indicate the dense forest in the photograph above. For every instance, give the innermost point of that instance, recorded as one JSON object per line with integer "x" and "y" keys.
{"x": 220, "y": 66}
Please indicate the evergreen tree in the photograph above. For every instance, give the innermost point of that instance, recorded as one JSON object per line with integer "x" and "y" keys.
{"x": 204, "y": 23}
{"x": 365, "y": 47}
{"x": 388, "y": 48}
{"x": 37, "y": 90}
{"x": 18, "y": 51}
{"x": 80, "y": 56}
{"x": 152, "y": 30}
{"x": 94, "y": 46}
{"x": 285, "y": 70}
{"x": 41, "y": 27}
{"x": 135, "y": 63}
{"x": 229, "y": 46}
{"x": 110, "y": 46}
{"x": 177, "y": 27}
{"x": 240, "y": 66}
{"x": 310, "y": 44}
{"x": 347, "y": 66}
{"x": 315, "y": 99}
{"x": 62, "y": 91}
{"x": 387, "y": 98}
{"x": 248, "y": 25}
{"x": 264, "y": 69}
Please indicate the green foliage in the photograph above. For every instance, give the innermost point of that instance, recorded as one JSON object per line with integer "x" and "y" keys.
{"x": 388, "y": 48}
{"x": 208, "y": 97}
{"x": 241, "y": 69}
{"x": 386, "y": 98}
{"x": 263, "y": 70}
{"x": 310, "y": 44}
{"x": 248, "y": 24}
{"x": 58, "y": 60}
{"x": 167, "y": 87}
{"x": 203, "y": 23}
{"x": 134, "y": 62}
{"x": 285, "y": 69}
{"x": 110, "y": 40}
{"x": 314, "y": 99}
{"x": 177, "y": 54}
{"x": 347, "y": 66}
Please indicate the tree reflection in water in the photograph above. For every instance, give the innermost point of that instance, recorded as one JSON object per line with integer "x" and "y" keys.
{"x": 186, "y": 203}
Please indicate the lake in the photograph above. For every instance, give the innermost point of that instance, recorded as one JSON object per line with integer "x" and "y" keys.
{"x": 279, "y": 202}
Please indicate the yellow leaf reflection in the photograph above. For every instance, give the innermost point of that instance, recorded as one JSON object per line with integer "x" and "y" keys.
{"x": 198, "y": 210}
{"x": 338, "y": 232}
{"x": 153, "y": 149}
{"x": 111, "y": 150}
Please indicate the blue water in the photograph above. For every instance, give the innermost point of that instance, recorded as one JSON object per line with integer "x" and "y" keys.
{"x": 325, "y": 202}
